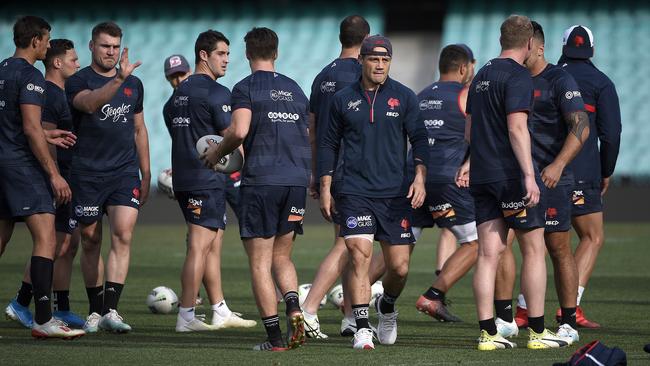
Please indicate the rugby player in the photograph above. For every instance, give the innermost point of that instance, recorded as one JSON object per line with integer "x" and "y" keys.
{"x": 594, "y": 166}
{"x": 112, "y": 150}
{"x": 341, "y": 72}
{"x": 60, "y": 62}
{"x": 30, "y": 183}
{"x": 199, "y": 107}
{"x": 270, "y": 118}
{"x": 442, "y": 113}
{"x": 559, "y": 128}
{"x": 505, "y": 185}
{"x": 371, "y": 120}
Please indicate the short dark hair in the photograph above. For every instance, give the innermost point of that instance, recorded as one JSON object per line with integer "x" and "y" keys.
{"x": 28, "y": 27}
{"x": 261, "y": 44}
{"x": 207, "y": 41}
{"x": 538, "y": 31}
{"x": 353, "y": 30}
{"x": 110, "y": 28}
{"x": 57, "y": 48}
{"x": 451, "y": 58}
{"x": 515, "y": 32}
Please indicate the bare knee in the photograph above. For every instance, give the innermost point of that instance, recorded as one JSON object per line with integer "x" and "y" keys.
{"x": 399, "y": 268}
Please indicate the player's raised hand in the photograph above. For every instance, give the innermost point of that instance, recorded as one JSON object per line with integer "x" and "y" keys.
{"x": 61, "y": 138}
{"x": 126, "y": 67}
{"x": 532, "y": 191}
{"x": 62, "y": 192}
{"x": 551, "y": 175}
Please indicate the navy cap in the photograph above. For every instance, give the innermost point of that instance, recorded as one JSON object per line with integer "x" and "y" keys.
{"x": 369, "y": 44}
{"x": 578, "y": 42}
{"x": 468, "y": 50}
{"x": 176, "y": 64}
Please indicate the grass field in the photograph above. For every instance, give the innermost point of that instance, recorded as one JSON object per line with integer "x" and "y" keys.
{"x": 618, "y": 297}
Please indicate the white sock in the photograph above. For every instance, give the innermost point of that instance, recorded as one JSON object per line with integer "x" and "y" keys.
{"x": 417, "y": 232}
{"x": 521, "y": 302}
{"x": 221, "y": 309}
{"x": 581, "y": 289}
{"x": 309, "y": 316}
{"x": 186, "y": 313}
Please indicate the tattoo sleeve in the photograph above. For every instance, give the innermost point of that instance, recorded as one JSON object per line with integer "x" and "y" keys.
{"x": 578, "y": 122}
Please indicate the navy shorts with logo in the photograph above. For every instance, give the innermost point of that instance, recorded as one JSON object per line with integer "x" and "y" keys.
{"x": 205, "y": 208}
{"x": 558, "y": 209}
{"x": 388, "y": 219}
{"x": 233, "y": 181}
{"x": 586, "y": 199}
{"x": 449, "y": 205}
{"x": 91, "y": 195}
{"x": 268, "y": 211}
{"x": 503, "y": 199}
{"x": 24, "y": 191}
{"x": 64, "y": 222}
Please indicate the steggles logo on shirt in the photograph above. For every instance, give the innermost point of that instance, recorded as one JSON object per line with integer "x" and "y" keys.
{"x": 115, "y": 113}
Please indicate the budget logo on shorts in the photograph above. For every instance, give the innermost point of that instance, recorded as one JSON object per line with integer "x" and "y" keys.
{"x": 195, "y": 205}
{"x": 550, "y": 216}
{"x": 444, "y": 210}
{"x": 296, "y": 214}
{"x": 516, "y": 209}
{"x": 86, "y": 211}
{"x": 578, "y": 198}
{"x": 281, "y": 95}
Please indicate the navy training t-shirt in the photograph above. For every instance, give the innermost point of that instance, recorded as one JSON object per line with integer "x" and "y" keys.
{"x": 57, "y": 112}
{"x": 106, "y": 138}
{"x": 556, "y": 94}
{"x": 500, "y": 87}
{"x": 200, "y": 106}
{"x": 20, "y": 83}
{"x": 277, "y": 146}
{"x": 442, "y": 117}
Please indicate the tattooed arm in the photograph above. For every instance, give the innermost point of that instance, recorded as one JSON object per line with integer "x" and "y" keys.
{"x": 578, "y": 123}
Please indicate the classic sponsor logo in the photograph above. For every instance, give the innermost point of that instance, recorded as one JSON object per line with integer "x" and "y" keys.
{"x": 281, "y": 95}
{"x": 181, "y": 100}
{"x": 115, "y": 113}
{"x": 517, "y": 209}
{"x": 432, "y": 141}
{"x": 354, "y": 105}
{"x": 433, "y": 123}
{"x": 359, "y": 221}
{"x": 181, "y": 121}
{"x": 572, "y": 94}
{"x": 86, "y": 211}
{"x": 392, "y": 114}
{"x": 283, "y": 117}
{"x": 482, "y": 86}
{"x": 36, "y": 88}
{"x": 393, "y": 103}
{"x": 578, "y": 198}
{"x": 328, "y": 86}
{"x": 430, "y": 104}
{"x": 226, "y": 108}
{"x": 445, "y": 210}
{"x": 296, "y": 214}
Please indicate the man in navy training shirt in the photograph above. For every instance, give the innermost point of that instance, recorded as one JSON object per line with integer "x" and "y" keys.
{"x": 60, "y": 62}
{"x": 343, "y": 71}
{"x": 201, "y": 107}
{"x": 504, "y": 183}
{"x": 559, "y": 128}
{"x": 30, "y": 183}
{"x": 111, "y": 153}
{"x": 270, "y": 118}
{"x": 594, "y": 165}
{"x": 442, "y": 113}
{"x": 371, "y": 120}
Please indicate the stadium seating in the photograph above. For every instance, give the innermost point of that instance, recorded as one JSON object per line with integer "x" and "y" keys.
{"x": 622, "y": 48}
{"x": 308, "y": 34}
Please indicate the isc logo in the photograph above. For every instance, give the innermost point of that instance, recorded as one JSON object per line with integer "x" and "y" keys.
{"x": 392, "y": 114}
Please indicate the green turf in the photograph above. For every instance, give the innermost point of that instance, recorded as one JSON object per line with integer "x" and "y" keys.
{"x": 618, "y": 297}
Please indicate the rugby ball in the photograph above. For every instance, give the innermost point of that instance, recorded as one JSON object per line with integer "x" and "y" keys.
{"x": 303, "y": 291}
{"x": 162, "y": 300}
{"x": 165, "y": 183}
{"x": 229, "y": 163}
{"x": 335, "y": 296}
{"x": 376, "y": 290}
